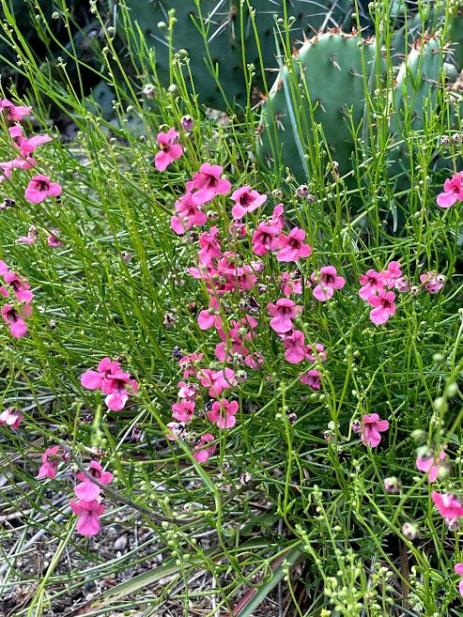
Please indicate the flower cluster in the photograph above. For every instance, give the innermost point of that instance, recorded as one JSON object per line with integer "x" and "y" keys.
{"x": 111, "y": 380}
{"x": 87, "y": 506}
{"x": 19, "y": 297}
{"x": 40, "y": 187}
{"x": 377, "y": 289}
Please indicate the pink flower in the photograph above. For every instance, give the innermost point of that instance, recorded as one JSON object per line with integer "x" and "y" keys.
{"x": 203, "y": 451}
{"x": 292, "y": 247}
{"x": 209, "y": 246}
{"x": 217, "y": 381}
{"x": 312, "y": 379}
{"x": 24, "y": 145}
{"x": 265, "y": 239}
{"x": 282, "y": 313}
{"x": 246, "y": 200}
{"x": 14, "y": 318}
{"x": 384, "y": 307}
{"x": 49, "y": 466}
{"x": 430, "y": 464}
{"x": 458, "y": 568}
{"x": 453, "y": 191}
{"x": 189, "y": 363}
{"x": 402, "y": 284}
{"x": 112, "y": 381}
{"x": 294, "y": 345}
{"x": 223, "y": 413}
{"x": 392, "y": 273}
{"x": 183, "y": 411}
{"x": 10, "y": 417}
{"x": 372, "y": 426}
{"x": 371, "y": 284}
{"x": 317, "y": 353}
{"x": 188, "y": 215}
{"x": 170, "y": 149}
{"x": 40, "y": 187}
{"x": 174, "y": 430}
{"x": 433, "y": 282}
{"x": 89, "y": 513}
{"x": 53, "y": 241}
{"x": 290, "y": 284}
{"x": 448, "y": 505}
{"x": 210, "y": 318}
{"x": 207, "y": 183}
{"x": 87, "y": 490}
{"x": 327, "y": 281}
{"x": 30, "y": 239}
{"x": 13, "y": 113}
{"x": 278, "y": 217}
{"x": 254, "y": 360}
{"x": 21, "y": 288}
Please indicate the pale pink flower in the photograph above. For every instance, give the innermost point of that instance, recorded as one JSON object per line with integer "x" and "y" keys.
{"x": 189, "y": 363}
{"x": 384, "y": 307}
{"x": 207, "y": 183}
{"x": 87, "y": 490}
{"x": 53, "y": 240}
{"x": 187, "y": 390}
{"x": 448, "y": 505}
{"x": 202, "y": 450}
{"x": 327, "y": 281}
{"x": 311, "y": 378}
{"x": 187, "y": 215}
{"x": 371, "y": 429}
{"x": 433, "y": 282}
{"x": 290, "y": 284}
{"x": 392, "y": 273}
{"x": 294, "y": 344}
{"x": 183, "y": 411}
{"x": 292, "y": 246}
{"x": 170, "y": 149}
{"x": 282, "y": 313}
{"x": 15, "y": 319}
{"x": 49, "y": 466}
{"x": 40, "y": 187}
{"x": 246, "y": 200}
{"x": 11, "y": 417}
{"x": 431, "y": 464}
{"x": 316, "y": 353}
{"x": 254, "y": 360}
{"x": 89, "y": 513}
{"x": 12, "y": 112}
{"x": 30, "y": 239}
{"x": 453, "y": 191}
{"x": 174, "y": 430}
{"x": 223, "y": 412}
{"x": 402, "y": 284}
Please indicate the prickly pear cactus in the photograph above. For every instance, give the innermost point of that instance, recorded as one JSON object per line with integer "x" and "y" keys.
{"x": 219, "y": 46}
{"x": 230, "y": 38}
{"x": 418, "y": 83}
{"x": 326, "y": 87}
